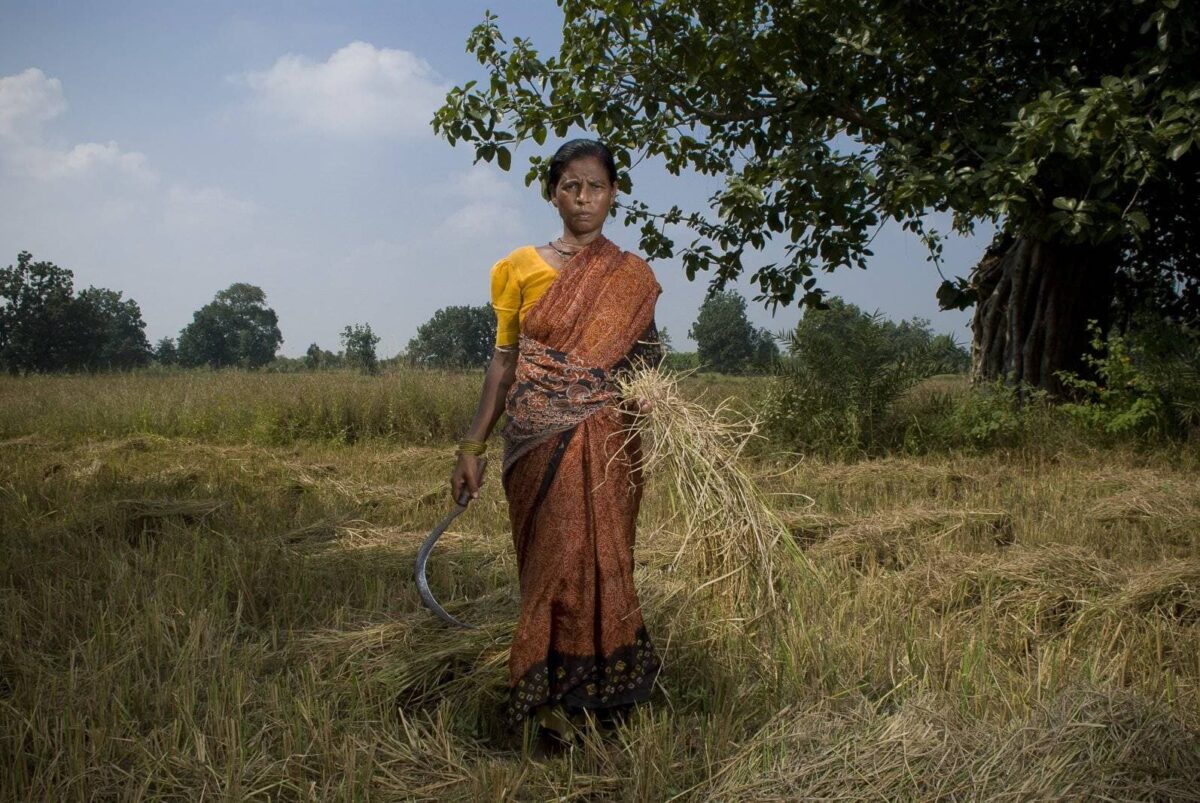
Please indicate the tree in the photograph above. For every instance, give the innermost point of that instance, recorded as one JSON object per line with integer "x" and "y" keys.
{"x": 455, "y": 337}
{"x": 766, "y": 351}
{"x": 235, "y": 328}
{"x": 1070, "y": 124}
{"x": 844, "y": 369}
{"x": 359, "y": 343}
{"x": 947, "y": 356}
{"x": 916, "y": 336}
{"x": 317, "y": 358}
{"x": 108, "y": 331}
{"x": 312, "y": 357}
{"x": 45, "y": 326}
{"x": 725, "y": 339}
{"x": 165, "y": 352}
{"x": 35, "y": 307}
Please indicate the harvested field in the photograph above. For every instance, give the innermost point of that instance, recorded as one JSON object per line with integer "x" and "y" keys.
{"x": 191, "y": 617}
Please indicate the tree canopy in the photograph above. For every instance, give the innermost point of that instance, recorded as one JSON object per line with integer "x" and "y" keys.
{"x": 166, "y": 352}
{"x": 726, "y": 341}
{"x": 235, "y": 328}
{"x": 455, "y": 337}
{"x": 1072, "y": 123}
{"x": 46, "y": 326}
{"x": 359, "y": 343}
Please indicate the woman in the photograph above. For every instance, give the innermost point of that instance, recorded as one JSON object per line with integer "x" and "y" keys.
{"x": 569, "y": 315}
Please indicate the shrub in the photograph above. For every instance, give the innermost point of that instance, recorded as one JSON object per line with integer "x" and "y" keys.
{"x": 843, "y": 371}
{"x": 976, "y": 418}
{"x": 1170, "y": 356}
{"x": 1121, "y": 398}
{"x": 1146, "y": 381}
{"x": 681, "y": 361}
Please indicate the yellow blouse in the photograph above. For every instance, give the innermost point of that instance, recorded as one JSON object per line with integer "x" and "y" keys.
{"x": 518, "y": 281}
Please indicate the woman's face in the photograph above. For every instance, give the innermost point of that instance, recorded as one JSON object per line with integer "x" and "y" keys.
{"x": 584, "y": 195}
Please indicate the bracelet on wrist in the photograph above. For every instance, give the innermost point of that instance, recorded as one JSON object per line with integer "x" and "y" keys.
{"x": 471, "y": 447}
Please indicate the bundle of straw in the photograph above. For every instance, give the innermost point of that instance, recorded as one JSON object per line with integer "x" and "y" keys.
{"x": 731, "y": 538}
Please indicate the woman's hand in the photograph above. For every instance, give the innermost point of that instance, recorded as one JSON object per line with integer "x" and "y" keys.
{"x": 638, "y": 407}
{"x": 467, "y": 476}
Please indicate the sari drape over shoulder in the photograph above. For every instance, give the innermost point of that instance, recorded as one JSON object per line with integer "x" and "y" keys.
{"x": 570, "y": 474}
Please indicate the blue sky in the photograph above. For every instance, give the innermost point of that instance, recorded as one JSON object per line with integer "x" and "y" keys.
{"x": 168, "y": 149}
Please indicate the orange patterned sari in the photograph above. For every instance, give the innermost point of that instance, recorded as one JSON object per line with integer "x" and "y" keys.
{"x": 570, "y": 475}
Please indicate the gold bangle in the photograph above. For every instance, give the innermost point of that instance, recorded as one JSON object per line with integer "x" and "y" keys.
{"x": 472, "y": 447}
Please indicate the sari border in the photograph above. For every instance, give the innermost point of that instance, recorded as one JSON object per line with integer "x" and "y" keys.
{"x": 624, "y": 676}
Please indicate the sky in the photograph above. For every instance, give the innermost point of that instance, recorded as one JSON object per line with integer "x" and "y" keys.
{"x": 169, "y": 149}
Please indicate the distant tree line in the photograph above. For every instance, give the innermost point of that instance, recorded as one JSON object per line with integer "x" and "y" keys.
{"x": 46, "y": 326}
{"x": 726, "y": 341}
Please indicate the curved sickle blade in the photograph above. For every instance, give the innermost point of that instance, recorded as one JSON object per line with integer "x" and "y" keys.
{"x": 423, "y": 556}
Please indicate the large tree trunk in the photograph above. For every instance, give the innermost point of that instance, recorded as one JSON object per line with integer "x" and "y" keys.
{"x": 1034, "y": 300}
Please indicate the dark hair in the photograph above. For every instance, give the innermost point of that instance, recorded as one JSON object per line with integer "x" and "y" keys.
{"x": 579, "y": 149}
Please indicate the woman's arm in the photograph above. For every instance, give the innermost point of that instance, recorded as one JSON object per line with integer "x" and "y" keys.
{"x": 468, "y": 470}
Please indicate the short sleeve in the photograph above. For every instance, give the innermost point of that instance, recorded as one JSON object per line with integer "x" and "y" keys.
{"x": 506, "y": 302}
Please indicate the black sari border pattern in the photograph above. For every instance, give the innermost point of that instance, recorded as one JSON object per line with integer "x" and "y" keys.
{"x": 620, "y": 678}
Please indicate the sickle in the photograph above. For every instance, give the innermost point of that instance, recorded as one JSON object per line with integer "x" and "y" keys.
{"x": 423, "y": 556}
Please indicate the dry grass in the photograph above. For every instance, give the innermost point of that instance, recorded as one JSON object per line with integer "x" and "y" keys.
{"x": 403, "y": 406}
{"x": 729, "y": 539}
{"x": 201, "y": 619}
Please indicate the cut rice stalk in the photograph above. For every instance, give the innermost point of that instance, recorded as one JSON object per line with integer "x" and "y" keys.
{"x": 737, "y": 545}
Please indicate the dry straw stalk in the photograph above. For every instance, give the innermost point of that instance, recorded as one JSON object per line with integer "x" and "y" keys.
{"x": 728, "y": 533}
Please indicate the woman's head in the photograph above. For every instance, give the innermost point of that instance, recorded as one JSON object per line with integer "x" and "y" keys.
{"x": 582, "y": 184}
{"x": 579, "y": 149}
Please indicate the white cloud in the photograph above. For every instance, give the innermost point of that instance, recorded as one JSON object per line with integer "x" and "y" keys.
{"x": 480, "y": 219}
{"x": 488, "y": 205}
{"x": 29, "y": 100}
{"x": 83, "y": 159}
{"x": 479, "y": 182}
{"x": 359, "y": 91}
{"x": 207, "y": 208}
{"x": 103, "y": 210}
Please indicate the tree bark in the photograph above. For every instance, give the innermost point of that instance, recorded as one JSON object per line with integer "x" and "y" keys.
{"x": 1034, "y": 301}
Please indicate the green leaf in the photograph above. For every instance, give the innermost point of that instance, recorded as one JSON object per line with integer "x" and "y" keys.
{"x": 838, "y": 114}
{"x": 955, "y": 295}
{"x": 503, "y": 158}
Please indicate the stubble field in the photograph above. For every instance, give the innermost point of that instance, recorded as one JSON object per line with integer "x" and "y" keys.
{"x": 207, "y": 593}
